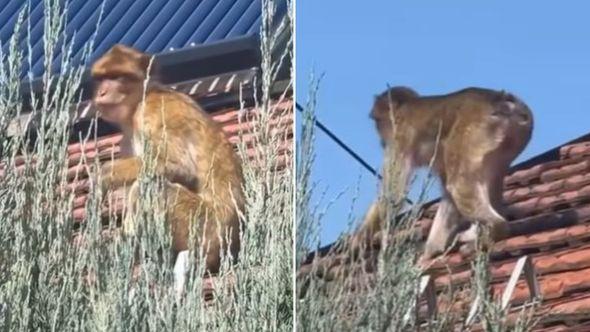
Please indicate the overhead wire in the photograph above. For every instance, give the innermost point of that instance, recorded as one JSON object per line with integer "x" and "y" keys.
{"x": 345, "y": 147}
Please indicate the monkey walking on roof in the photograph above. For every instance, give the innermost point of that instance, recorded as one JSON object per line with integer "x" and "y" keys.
{"x": 476, "y": 133}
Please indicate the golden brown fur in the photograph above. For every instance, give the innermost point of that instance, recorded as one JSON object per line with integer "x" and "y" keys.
{"x": 203, "y": 173}
{"x": 479, "y": 132}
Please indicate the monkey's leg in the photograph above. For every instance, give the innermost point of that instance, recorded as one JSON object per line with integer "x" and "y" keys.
{"x": 181, "y": 267}
{"x": 129, "y": 218}
{"x": 444, "y": 227}
{"x": 215, "y": 227}
{"x": 393, "y": 189}
{"x": 397, "y": 172}
{"x": 371, "y": 224}
{"x": 365, "y": 235}
{"x": 469, "y": 235}
{"x": 495, "y": 166}
{"x": 471, "y": 194}
{"x": 496, "y": 195}
{"x": 185, "y": 209}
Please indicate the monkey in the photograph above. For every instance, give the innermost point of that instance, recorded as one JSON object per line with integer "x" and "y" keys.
{"x": 202, "y": 173}
{"x": 469, "y": 138}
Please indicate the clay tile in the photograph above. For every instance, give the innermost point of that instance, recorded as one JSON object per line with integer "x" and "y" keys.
{"x": 575, "y": 150}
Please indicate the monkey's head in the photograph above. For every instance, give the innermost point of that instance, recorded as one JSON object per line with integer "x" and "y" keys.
{"x": 119, "y": 77}
{"x": 385, "y": 108}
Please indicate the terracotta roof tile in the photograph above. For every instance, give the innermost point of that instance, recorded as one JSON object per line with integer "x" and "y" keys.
{"x": 553, "y": 286}
{"x": 575, "y": 150}
{"x": 565, "y": 328}
{"x": 524, "y": 176}
{"x": 565, "y": 171}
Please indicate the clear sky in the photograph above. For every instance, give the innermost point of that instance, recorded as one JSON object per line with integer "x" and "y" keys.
{"x": 539, "y": 50}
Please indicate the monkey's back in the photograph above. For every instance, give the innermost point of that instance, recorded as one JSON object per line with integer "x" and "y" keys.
{"x": 500, "y": 116}
{"x": 197, "y": 147}
{"x": 460, "y": 120}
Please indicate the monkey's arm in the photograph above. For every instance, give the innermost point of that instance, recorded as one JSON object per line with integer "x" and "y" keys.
{"x": 123, "y": 172}
{"x": 119, "y": 172}
{"x": 371, "y": 225}
{"x": 373, "y": 221}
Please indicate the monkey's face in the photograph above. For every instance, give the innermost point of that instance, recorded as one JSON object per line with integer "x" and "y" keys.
{"x": 116, "y": 98}
{"x": 389, "y": 105}
{"x": 119, "y": 77}
{"x": 383, "y": 118}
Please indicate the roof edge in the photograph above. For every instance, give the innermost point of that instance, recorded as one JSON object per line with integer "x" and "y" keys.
{"x": 184, "y": 64}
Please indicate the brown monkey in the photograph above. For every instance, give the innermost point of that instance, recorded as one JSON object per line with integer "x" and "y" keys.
{"x": 471, "y": 136}
{"x": 203, "y": 176}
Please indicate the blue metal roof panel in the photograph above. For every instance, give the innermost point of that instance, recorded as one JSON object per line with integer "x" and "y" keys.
{"x": 212, "y": 20}
{"x": 237, "y": 10}
{"x": 171, "y": 26}
{"x": 192, "y": 23}
{"x": 9, "y": 14}
{"x": 148, "y": 15}
{"x": 246, "y": 20}
{"x": 79, "y": 13}
{"x": 116, "y": 23}
{"x": 153, "y": 26}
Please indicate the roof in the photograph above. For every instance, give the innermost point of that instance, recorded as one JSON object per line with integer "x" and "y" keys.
{"x": 548, "y": 207}
{"x": 151, "y": 26}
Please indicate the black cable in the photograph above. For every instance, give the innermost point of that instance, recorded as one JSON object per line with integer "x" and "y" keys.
{"x": 342, "y": 144}
{"x": 345, "y": 147}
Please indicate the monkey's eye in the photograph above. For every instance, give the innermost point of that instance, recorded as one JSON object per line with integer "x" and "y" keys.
{"x": 102, "y": 78}
{"x": 115, "y": 77}
{"x": 126, "y": 78}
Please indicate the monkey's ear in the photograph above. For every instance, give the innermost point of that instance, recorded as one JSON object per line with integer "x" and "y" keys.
{"x": 150, "y": 65}
{"x": 141, "y": 59}
{"x": 120, "y": 48}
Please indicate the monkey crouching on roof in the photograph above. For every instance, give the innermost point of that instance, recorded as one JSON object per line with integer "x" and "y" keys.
{"x": 203, "y": 175}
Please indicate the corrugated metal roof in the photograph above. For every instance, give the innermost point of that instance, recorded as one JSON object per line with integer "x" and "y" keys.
{"x": 154, "y": 26}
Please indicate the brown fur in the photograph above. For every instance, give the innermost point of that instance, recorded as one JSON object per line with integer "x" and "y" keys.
{"x": 481, "y": 133}
{"x": 203, "y": 173}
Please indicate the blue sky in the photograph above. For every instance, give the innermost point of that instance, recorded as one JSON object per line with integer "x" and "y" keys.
{"x": 539, "y": 50}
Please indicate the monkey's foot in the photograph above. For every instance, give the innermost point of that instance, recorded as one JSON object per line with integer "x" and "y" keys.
{"x": 427, "y": 260}
{"x": 422, "y": 262}
{"x": 500, "y": 231}
{"x": 180, "y": 273}
{"x": 360, "y": 241}
{"x": 467, "y": 249}
{"x": 431, "y": 252}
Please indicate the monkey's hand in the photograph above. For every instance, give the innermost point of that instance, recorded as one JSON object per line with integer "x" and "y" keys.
{"x": 371, "y": 226}
{"x": 105, "y": 175}
{"x": 118, "y": 173}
